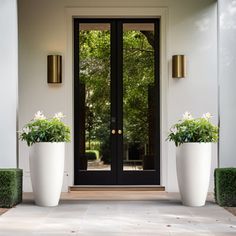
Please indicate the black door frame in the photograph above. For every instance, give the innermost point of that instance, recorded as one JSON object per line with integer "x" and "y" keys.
{"x": 116, "y": 175}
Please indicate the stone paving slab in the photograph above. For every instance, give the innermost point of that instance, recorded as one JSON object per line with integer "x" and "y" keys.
{"x": 165, "y": 217}
{"x": 3, "y": 210}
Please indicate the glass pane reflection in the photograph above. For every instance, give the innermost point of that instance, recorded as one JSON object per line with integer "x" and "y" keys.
{"x": 138, "y": 97}
{"x": 95, "y": 107}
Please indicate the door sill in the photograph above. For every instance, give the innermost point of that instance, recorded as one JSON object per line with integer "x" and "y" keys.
{"x": 116, "y": 188}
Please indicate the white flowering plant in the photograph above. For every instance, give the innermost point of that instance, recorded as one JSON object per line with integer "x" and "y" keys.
{"x": 41, "y": 129}
{"x": 189, "y": 130}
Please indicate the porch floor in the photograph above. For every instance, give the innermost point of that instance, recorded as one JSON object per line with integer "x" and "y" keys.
{"x": 117, "y": 213}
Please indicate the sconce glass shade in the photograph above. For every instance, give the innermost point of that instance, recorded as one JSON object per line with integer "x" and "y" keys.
{"x": 54, "y": 69}
{"x": 179, "y": 66}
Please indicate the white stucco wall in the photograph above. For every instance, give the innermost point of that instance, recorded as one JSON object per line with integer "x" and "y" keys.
{"x": 191, "y": 29}
{"x": 227, "y": 81}
{"x": 8, "y": 82}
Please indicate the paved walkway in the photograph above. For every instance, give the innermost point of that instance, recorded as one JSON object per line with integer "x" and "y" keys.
{"x": 161, "y": 215}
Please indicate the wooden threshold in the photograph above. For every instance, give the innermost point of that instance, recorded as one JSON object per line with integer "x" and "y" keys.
{"x": 116, "y": 188}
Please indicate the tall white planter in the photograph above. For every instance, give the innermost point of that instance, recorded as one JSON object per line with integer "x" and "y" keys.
{"x": 46, "y": 170}
{"x": 193, "y": 162}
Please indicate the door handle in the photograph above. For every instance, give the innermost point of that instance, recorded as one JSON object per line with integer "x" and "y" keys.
{"x": 113, "y": 131}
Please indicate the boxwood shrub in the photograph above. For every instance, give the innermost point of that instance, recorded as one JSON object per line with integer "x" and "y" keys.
{"x": 225, "y": 186}
{"x": 92, "y": 155}
{"x": 10, "y": 187}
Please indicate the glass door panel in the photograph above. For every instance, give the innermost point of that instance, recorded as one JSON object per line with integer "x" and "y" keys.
{"x": 139, "y": 109}
{"x": 95, "y": 96}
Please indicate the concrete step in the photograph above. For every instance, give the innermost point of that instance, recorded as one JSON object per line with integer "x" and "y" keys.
{"x": 116, "y": 188}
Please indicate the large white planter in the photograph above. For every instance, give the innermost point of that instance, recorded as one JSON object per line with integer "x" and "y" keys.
{"x": 193, "y": 162}
{"x": 46, "y": 170}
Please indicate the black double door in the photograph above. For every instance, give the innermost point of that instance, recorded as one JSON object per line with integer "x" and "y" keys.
{"x": 116, "y": 102}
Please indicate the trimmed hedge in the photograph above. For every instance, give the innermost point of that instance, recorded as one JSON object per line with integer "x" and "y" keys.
{"x": 92, "y": 154}
{"x": 225, "y": 186}
{"x": 10, "y": 187}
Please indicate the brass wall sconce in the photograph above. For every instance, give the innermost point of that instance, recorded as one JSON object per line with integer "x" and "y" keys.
{"x": 54, "y": 69}
{"x": 179, "y": 66}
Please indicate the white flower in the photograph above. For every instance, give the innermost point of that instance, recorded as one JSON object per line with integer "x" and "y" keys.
{"x": 26, "y": 130}
{"x": 39, "y": 116}
{"x": 59, "y": 115}
{"x": 187, "y": 116}
{"x": 174, "y": 130}
{"x": 207, "y": 116}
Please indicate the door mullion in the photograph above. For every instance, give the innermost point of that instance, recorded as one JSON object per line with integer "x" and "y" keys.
{"x": 119, "y": 99}
{"x": 113, "y": 100}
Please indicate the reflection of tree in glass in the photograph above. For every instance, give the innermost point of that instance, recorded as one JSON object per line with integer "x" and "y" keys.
{"x": 95, "y": 74}
{"x": 138, "y": 76}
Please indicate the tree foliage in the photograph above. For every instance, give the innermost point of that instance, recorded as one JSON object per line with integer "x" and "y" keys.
{"x": 138, "y": 76}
